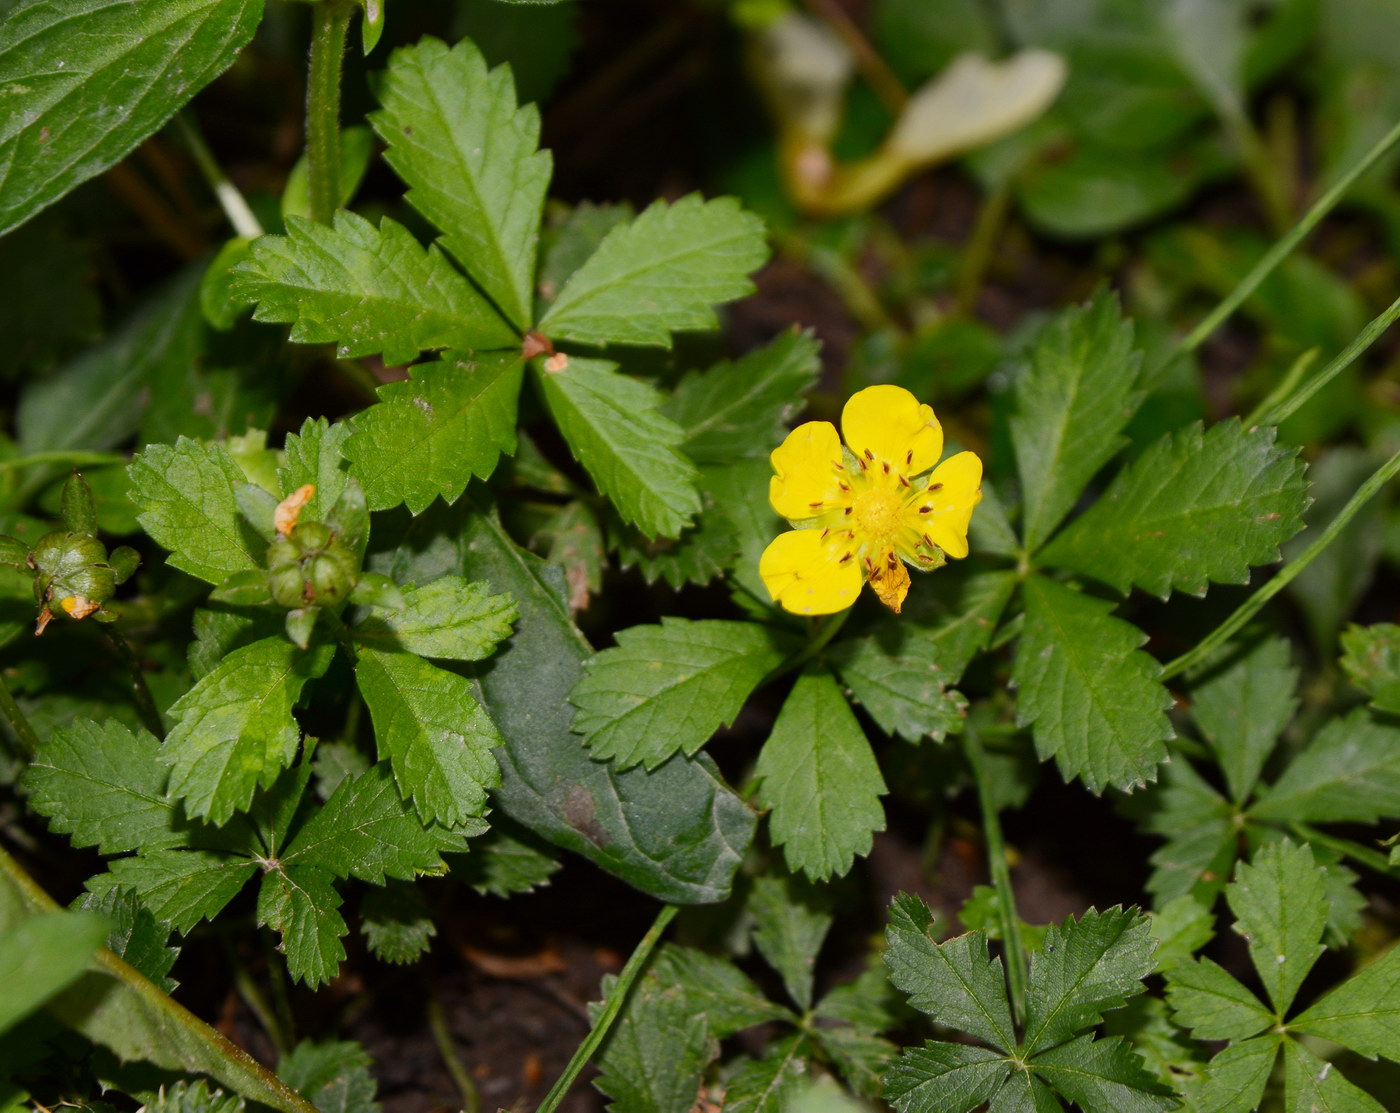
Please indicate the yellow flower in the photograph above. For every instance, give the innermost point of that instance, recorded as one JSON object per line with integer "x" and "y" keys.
{"x": 864, "y": 511}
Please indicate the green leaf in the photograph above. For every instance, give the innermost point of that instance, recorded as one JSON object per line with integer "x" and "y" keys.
{"x": 861, "y": 1058}
{"x": 701, "y": 553}
{"x": 501, "y": 864}
{"x": 791, "y": 918}
{"x": 1371, "y": 658}
{"x": 1280, "y": 905}
{"x": 431, "y": 433}
{"x": 573, "y": 239}
{"x": 435, "y": 735}
{"x": 717, "y": 988}
{"x": 1085, "y": 968}
{"x": 134, "y": 935}
{"x": 315, "y": 455}
{"x": 397, "y": 926}
{"x": 302, "y": 904}
{"x": 1194, "y": 508}
{"x": 952, "y": 625}
{"x": 104, "y": 786}
{"x": 469, "y": 157}
{"x": 654, "y": 1056}
{"x": 334, "y": 1075}
{"x": 902, "y": 694}
{"x": 625, "y": 443}
{"x": 193, "y": 1097}
{"x": 234, "y": 730}
{"x": 1103, "y": 1076}
{"x": 42, "y": 955}
{"x": 180, "y": 887}
{"x": 817, "y": 776}
{"x": 1198, "y": 823}
{"x": 1092, "y": 697}
{"x": 668, "y": 688}
{"x": 131, "y": 68}
{"x": 1242, "y": 705}
{"x": 1181, "y": 927}
{"x": 1363, "y": 1013}
{"x": 368, "y": 290}
{"x": 1311, "y": 1085}
{"x": 1213, "y": 1004}
{"x": 450, "y": 618}
{"x": 945, "y": 1078}
{"x": 185, "y": 492}
{"x": 769, "y": 1084}
{"x": 954, "y": 982}
{"x": 660, "y": 273}
{"x": 1349, "y": 772}
{"x": 1072, "y": 403}
{"x": 742, "y": 408}
{"x": 1234, "y": 1081}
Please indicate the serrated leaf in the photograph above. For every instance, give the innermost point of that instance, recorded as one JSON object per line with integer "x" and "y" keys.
{"x": 469, "y": 157}
{"x": 1363, "y": 1013}
{"x": 660, "y": 273}
{"x": 952, "y": 625}
{"x": 450, "y": 618}
{"x": 180, "y": 887}
{"x": 955, "y": 982}
{"x": 860, "y": 1057}
{"x": 1195, "y": 508}
{"x": 902, "y": 694}
{"x": 193, "y": 1097}
{"x": 315, "y": 455}
{"x": 1085, "y": 968}
{"x": 1212, "y": 1003}
{"x": 945, "y": 1078}
{"x": 1103, "y": 1076}
{"x": 819, "y": 780}
{"x": 303, "y": 905}
{"x": 1072, "y": 403}
{"x": 768, "y": 1084}
{"x": 367, "y": 290}
{"x": 396, "y": 924}
{"x": 1234, "y": 1081}
{"x": 1242, "y": 705}
{"x": 575, "y": 238}
{"x": 717, "y": 988}
{"x": 133, "y": 934}
{"x": 1091, "y": 696}
{"x": 334, "y": 1076}
{"x": 1349, "y": 772}
{"x": 701, "y": 553}
{"x": 741, "y": 408}
{"x": 41, "y": 956}
{"x": 1280, "y": 905}
{"x": 1198, "y": 824}
{"x": 668, "y": 688}
{"x": 430, "y": 434}
{"x": 501, "y": 864}
{"x": 1311, "y": 1085}
{"x": 1371, "y": 658}
{"x": 1181, "y": 927}
{"x": 631, "y": 450}
{"x": 656, "y": 1053}
{"x": 104, "y": 786}
{"x": 434, "y": 734}
{"x": 234, "y": 730}
{"x": 131, "y": 68}
{"x": 791, "y": 918}
{"x": 185, "y": 492}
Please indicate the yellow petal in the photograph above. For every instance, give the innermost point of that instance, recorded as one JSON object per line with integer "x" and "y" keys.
{"x": 954, "y": 489}
{"x": 807, "y": 481}
{"x": 890, "y": 579}
{"x": 887, "y": 425}
{"x": 805, "y": 574}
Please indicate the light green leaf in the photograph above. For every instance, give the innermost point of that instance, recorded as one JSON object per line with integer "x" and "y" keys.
{"x": 430, "y": 434}
{"x": 368, "y": 290}
{"x": 1363, "y": 1013}
{"x": 302, "y": 904}
{"x": 315, "y": 455}
{"x": 668, "y": 688}
{"x": 469, "y": 157}
{"x": 819, "y": 780}
{"x": 396, "y": 924}
{"x": 185, "y": 492}
{"x": 1371, "y": 658}
{"x": 768, "y": 1084}
{"x": 128, "y": 66}
{"x": 334, "y": 1075}
{"x": 501, "y": 864}
{"x": 1311, "y": 1085}
{"x": 577, "y": 236}
{"x": 945, "y": 1078}
{"x": 1213, "y": 1004}
{"x": 1349, "y": 772}
{"x": 1103, "y": 1076}
{"x": 791, "y": 918}
{"x": 41, "y": 955}
{"x": 860, "y": 1057}
{"x": 1195, "y": 508}
{"x": 741, "y": 408}
{"x": 631, "y": 450}
{"x": 902, "y": 694}
{"x": 234, "y": 730}
{"x": 180, "y": 887}
{"x": 435, "y": 735}
{"x": 660, "y": 273}
{"x": 451, "y": 618}
{"x": 717, "y": 988}
{"x": 1181, "y": 927}
{"x": 1234, "y": 1080}
{"x": 1090, "y": 694}
{"x": 1280, "y": 905}
{"x": 1072, "y": 403}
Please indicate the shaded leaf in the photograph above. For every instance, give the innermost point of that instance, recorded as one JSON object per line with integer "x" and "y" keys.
{"x": 1350, "y": 771}
{"x": 450, "y": 618}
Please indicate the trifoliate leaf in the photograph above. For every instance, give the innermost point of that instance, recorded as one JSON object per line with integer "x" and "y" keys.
{"x": 469, "y": 157}
{"x": 739, "y": 409}
{"x": 1212, "y": 1003}
{"x": 334, "y": 1076}
{"x": 667, "y": 688}
{"x": 818, "y": 777}
{"x": 367, "y": 290}
{"x": 451, "y": 618}
{"x": 1363, "y": 1013}
{"x": 185, "y": 492}
{"x": 612, "y": 423}
{"x": 660, "y": 273}
{"x": 1091, "y": 696}
{"x": 945, "y": 1078}
{"x": 1371, "y": 658}
{"x": 1280, "y": 905}
{"x": 42, "y": 955}
{"x": 430, "y": 434}
{"x": 791, "y": 918}
{"x": 1195, "y": 508}
{"x": 435, "y": 735}
{"x": 768, "y": 1084}
{"x": 234, "y": 730}
{"x": 1349, "y": 772}
{"x": 134, "y": 935}
{"x": 302, "y": 904}
{"x": 1072, "y": 403}
{"x": 1103, "y": 1076}
{"x": 1234, "y": 1081}
{"x": 717, "y": 988}
{"x": 1085, "y": 968}
{"x": 1311, "y": 1084}
{"x": 654, "y": 1057}
{"x": 902, "y": 694}
{"x": 180, "y": 887}
{"x": 396, "y": 924}
{"x": 501, "y": 864}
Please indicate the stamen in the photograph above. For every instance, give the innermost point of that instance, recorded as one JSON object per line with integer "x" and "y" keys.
{"x": 824, "y": 533}
{"x": 925, "y": 509}
{"x": 848, "y": 510}
{"x": 815, "y": 505}
{"x": 845, "y": 488}
{"x": 886, "y": 465}
{"x": 903, "y": 482}
{"x": 845, "y": 558}
{"x": 909, "y": 458}
{"x": 869, "y": 566}
{"x": 928, "y": 541}
{"x": 935, "y": 486}
{"x": 869, "y": 455}
{"x": 892, "y": 561}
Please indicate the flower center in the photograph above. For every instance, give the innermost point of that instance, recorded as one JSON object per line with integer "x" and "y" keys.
{"x": 876, "y": 514}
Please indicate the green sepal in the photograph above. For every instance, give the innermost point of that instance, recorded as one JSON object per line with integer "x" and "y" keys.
{"x": 14, "y": 552}
{"x": 77, "y": 506}
{"x": 300, "y": 623}
{"x": 374, "y": 590}
{"x": 373, "y": 25}
{"x": 244, "y": 589}
{"x": 124, "y": 560}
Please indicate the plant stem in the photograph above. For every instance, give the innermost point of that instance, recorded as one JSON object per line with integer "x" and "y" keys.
{"x": 1286, "y": 386}
{"x": 253, "y": 997}
{"x": 442, "y": 1037}
{"x": 145, "y": 703}
{"x": 68, "y": 459}
{"x": 829, "y": 626}
{"x": 886, "y": 86}
{"x": 230, "y": 199}
{"x": 1251, "y": 606}
{"x": 332, "y": 20}
{"x": 990, "y": 221}
{"x": 1001, "y": 875}
{"x": 611, "y": 1007}
{"x": 19, "y": 724}
{"x": 1364, "y": 855}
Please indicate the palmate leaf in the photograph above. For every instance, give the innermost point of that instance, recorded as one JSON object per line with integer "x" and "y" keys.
{"x": 1196, "y": 508}
{"x": 659, "y": 273}
{"x": 1090, "y": 695}
{"x": 1363, "y": 1013}
{"x": 1349, "y": 772}
{"x": 367, "y": 290}
{"x": 1311, "y": 1084}
{"x": 1212, "y": 1003}
{"x": 451, "y": 618}
{"x": 1103, "y": 1076}
{"x": 429, "y": 435}
{"x": 469, "y": 157}
{"x": 668, "y": 688}
{"x": 302, "y": 904}
{"x": 1280, "y": 905}
{"x": 180, "y": 887}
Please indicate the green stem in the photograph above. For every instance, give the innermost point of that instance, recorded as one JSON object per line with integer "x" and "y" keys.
{"x": 1286, "y": 386}
{"x": 1016, "y": 961}
{"x": 67, "y": 459}
{"x": 332, "y": 20}
{"x": 233, "y": 203}
{"x": 611, "y": 1007}
{"x": 257, "y": 1004}
{"x": 978, "y": 255}
{"x": 1251, "y": 606}
{"x": 19, "y": 724}
{"x": 442, "y": 1037}
{"x": 1363, "y": 855}
{"x": 141, "y": 693}
{"x": 830, "y": 626}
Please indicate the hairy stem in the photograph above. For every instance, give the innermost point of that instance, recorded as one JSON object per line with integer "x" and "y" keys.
{"x": 19, "y": 724}
{"x": 332, "y": 20}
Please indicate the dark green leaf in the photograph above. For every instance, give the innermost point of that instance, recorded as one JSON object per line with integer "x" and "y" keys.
{"x": 134, "y": 935}
{"x": 334, "y": 1076}
{"x": 501, "y": 864}
{"x": 656, "y": 1053}
{"x": 1103, "y": 1076}
{"x": 769, "y": 1084}
{"x": 302, "y": 904}
{"x": 791, "y": 918}
{"x": 1371, "y": 658}
{"x": 193, "y": 1097}
{"x": 717, "y": 988}
{"x": 1280, "y": 905}
{"x": 1350, "y": 771}
{"x": 902, "y": 694}
{"x": 180, "y": 887}
{"x": 315, "y": 455}
{"x": 1234, "y": 1080}
{"x": 1363, "y": 1013}
{"x": 945, "y": 1078}
{"x": 1213, "y": 1004}
{"x": 1311, "y": 1085}
{"x": 396, "y": 924}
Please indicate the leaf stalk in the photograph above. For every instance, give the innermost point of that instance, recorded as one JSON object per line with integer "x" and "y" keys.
{"x": 331, "y": 22}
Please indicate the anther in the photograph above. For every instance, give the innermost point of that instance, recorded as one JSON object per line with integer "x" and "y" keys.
{"x": 928, "y": 541}
{"x": 814, "y": 505}
{"x": 848, "y": 511}
{"x": 886, "y": 465}
{"x": 925, "y": 509}
{"x": 845, "y": 558}
{"x": 869, "y": 455}
{"x": 908, "y": 457}
{"x": 903, "y": 482}
{"x": 935, "y": 486}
